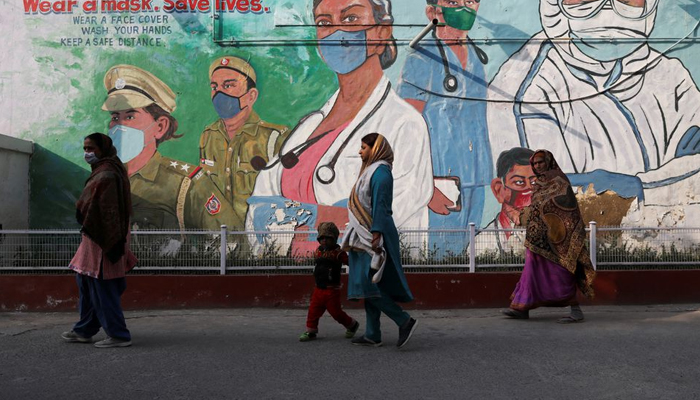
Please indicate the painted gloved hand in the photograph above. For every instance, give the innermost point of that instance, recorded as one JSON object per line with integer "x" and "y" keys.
{"x": 624, "y": 185}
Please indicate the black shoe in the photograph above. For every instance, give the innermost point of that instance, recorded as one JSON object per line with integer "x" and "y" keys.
{"x": 516, "y": 314}
{"x": 363, "y": 341}
{"x": 406, "y": 331}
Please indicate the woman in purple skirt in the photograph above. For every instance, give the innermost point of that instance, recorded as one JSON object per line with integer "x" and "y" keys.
{"x": 556, "y": 259}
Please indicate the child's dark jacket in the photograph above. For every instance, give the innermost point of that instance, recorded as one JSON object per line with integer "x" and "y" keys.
{"x": 328, "y": 266}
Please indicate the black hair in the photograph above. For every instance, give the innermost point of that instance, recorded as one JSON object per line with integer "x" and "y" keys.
{"x": 370, "y": 139}
{"x": 510, "y": 158}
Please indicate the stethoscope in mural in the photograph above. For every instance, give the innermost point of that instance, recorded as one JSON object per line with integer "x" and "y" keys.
{"x": 450, "y": 82}
{"x": 325, "y": 173}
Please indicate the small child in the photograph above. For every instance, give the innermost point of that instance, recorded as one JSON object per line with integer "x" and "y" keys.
{"x": 329, "y": 259}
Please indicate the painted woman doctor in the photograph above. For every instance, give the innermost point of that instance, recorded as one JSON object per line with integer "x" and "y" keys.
{"x": 318, "y": 163}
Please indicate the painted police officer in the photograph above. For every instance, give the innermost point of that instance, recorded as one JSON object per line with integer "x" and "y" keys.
{"x": 166, "y": 193}
{"x": 228, "y": 145}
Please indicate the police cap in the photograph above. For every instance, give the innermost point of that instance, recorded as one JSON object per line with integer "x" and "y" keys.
{"x": 130, "y": 87}
{"x": 234, "y": 63}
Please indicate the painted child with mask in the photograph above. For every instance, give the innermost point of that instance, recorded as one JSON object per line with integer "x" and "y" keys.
{"x": 512, "y": 188}
{"x": 166, "y": 193}
{"x": 228, "y": 145}
{"x": 329, "y": 259}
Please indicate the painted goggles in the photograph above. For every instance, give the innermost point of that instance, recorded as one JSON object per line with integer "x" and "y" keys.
{"x": 629, "y": 9}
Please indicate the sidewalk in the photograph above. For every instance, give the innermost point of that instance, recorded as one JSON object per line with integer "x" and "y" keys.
{"x": 624, "y": 352}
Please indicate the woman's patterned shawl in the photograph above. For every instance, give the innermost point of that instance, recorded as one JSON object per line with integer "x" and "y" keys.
{"x": 555, "y": 229}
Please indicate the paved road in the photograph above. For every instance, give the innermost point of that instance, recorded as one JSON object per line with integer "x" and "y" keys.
{"x": 649, "y": 352}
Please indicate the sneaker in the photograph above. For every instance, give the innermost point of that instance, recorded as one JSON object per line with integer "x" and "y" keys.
{"x": 406, "y": 331}
{"x": 307, "y": 336}
{"x": 352, "y": 330}
{"x": 72, "y": 337}
{"x": 363, "y": 341}
{"x": 112, "y": 342}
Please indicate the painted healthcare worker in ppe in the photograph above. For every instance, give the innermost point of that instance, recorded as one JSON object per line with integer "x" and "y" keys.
{"x": 318, "y": 164}
{"x": 614, "y": 112}
{"x": 165, "y": 193}
{"x": 438, "y": 79}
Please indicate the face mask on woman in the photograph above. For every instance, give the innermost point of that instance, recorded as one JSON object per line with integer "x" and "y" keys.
{"x": 91, "y": 158}
{"x": 344, "y": 51}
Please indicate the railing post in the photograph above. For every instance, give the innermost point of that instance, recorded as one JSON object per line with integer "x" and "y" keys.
{"x": 594, "y": 244}
{"x": 472, "y": 248}
{"x": 224, "y": 248}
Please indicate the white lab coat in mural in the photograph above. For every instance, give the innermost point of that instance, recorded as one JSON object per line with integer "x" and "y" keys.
{"x": 407, "y": 134}
{"x": 635, "y": 116}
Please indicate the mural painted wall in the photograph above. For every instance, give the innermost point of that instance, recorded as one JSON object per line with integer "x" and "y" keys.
{"x": 249, "y": 113}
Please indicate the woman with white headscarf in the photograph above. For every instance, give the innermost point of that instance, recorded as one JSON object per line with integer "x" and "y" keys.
{"x": 615, "y": 112}
{"x": 371, "y": 238}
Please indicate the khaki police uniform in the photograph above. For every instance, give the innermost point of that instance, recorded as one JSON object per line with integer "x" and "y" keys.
{"x": 227, "y": 160}
{"x": 172, "y": 195}
{"x": 166, "y": 193}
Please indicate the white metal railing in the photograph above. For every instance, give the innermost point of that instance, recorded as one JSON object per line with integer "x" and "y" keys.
{"x": 472, "y": 250}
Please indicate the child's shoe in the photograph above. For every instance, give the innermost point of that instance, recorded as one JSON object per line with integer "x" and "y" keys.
{"x": 307, "y": 336}
{"x": 352, "y": 330}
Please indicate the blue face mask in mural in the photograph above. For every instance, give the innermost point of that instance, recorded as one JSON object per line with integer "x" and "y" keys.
{"x": 226, "y": 106}
{"x": 344, "y": 51}
{"x": 128, "y": 141}
{"x": 91, "y": 158}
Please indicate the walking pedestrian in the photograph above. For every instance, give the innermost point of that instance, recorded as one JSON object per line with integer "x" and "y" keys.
{"x": 103, "y": 257}
{"x": 556, "y": 258}
{"x": 329, "y": 260}
{"x": 371, "y": 237}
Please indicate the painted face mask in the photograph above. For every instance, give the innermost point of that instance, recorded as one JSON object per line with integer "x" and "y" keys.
{"x": 344, "y": 51}
{"x": 608, "y": 36}
{"x": 519, "y": 199}
{"x": 461, "y": 18}
{"x": 226, "y": 106}
{"x": 91, "y": 158}
{"x": 128, "y": 141}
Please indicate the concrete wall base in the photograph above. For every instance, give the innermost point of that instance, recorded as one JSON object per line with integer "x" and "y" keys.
{"x": 432, "y": 290}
